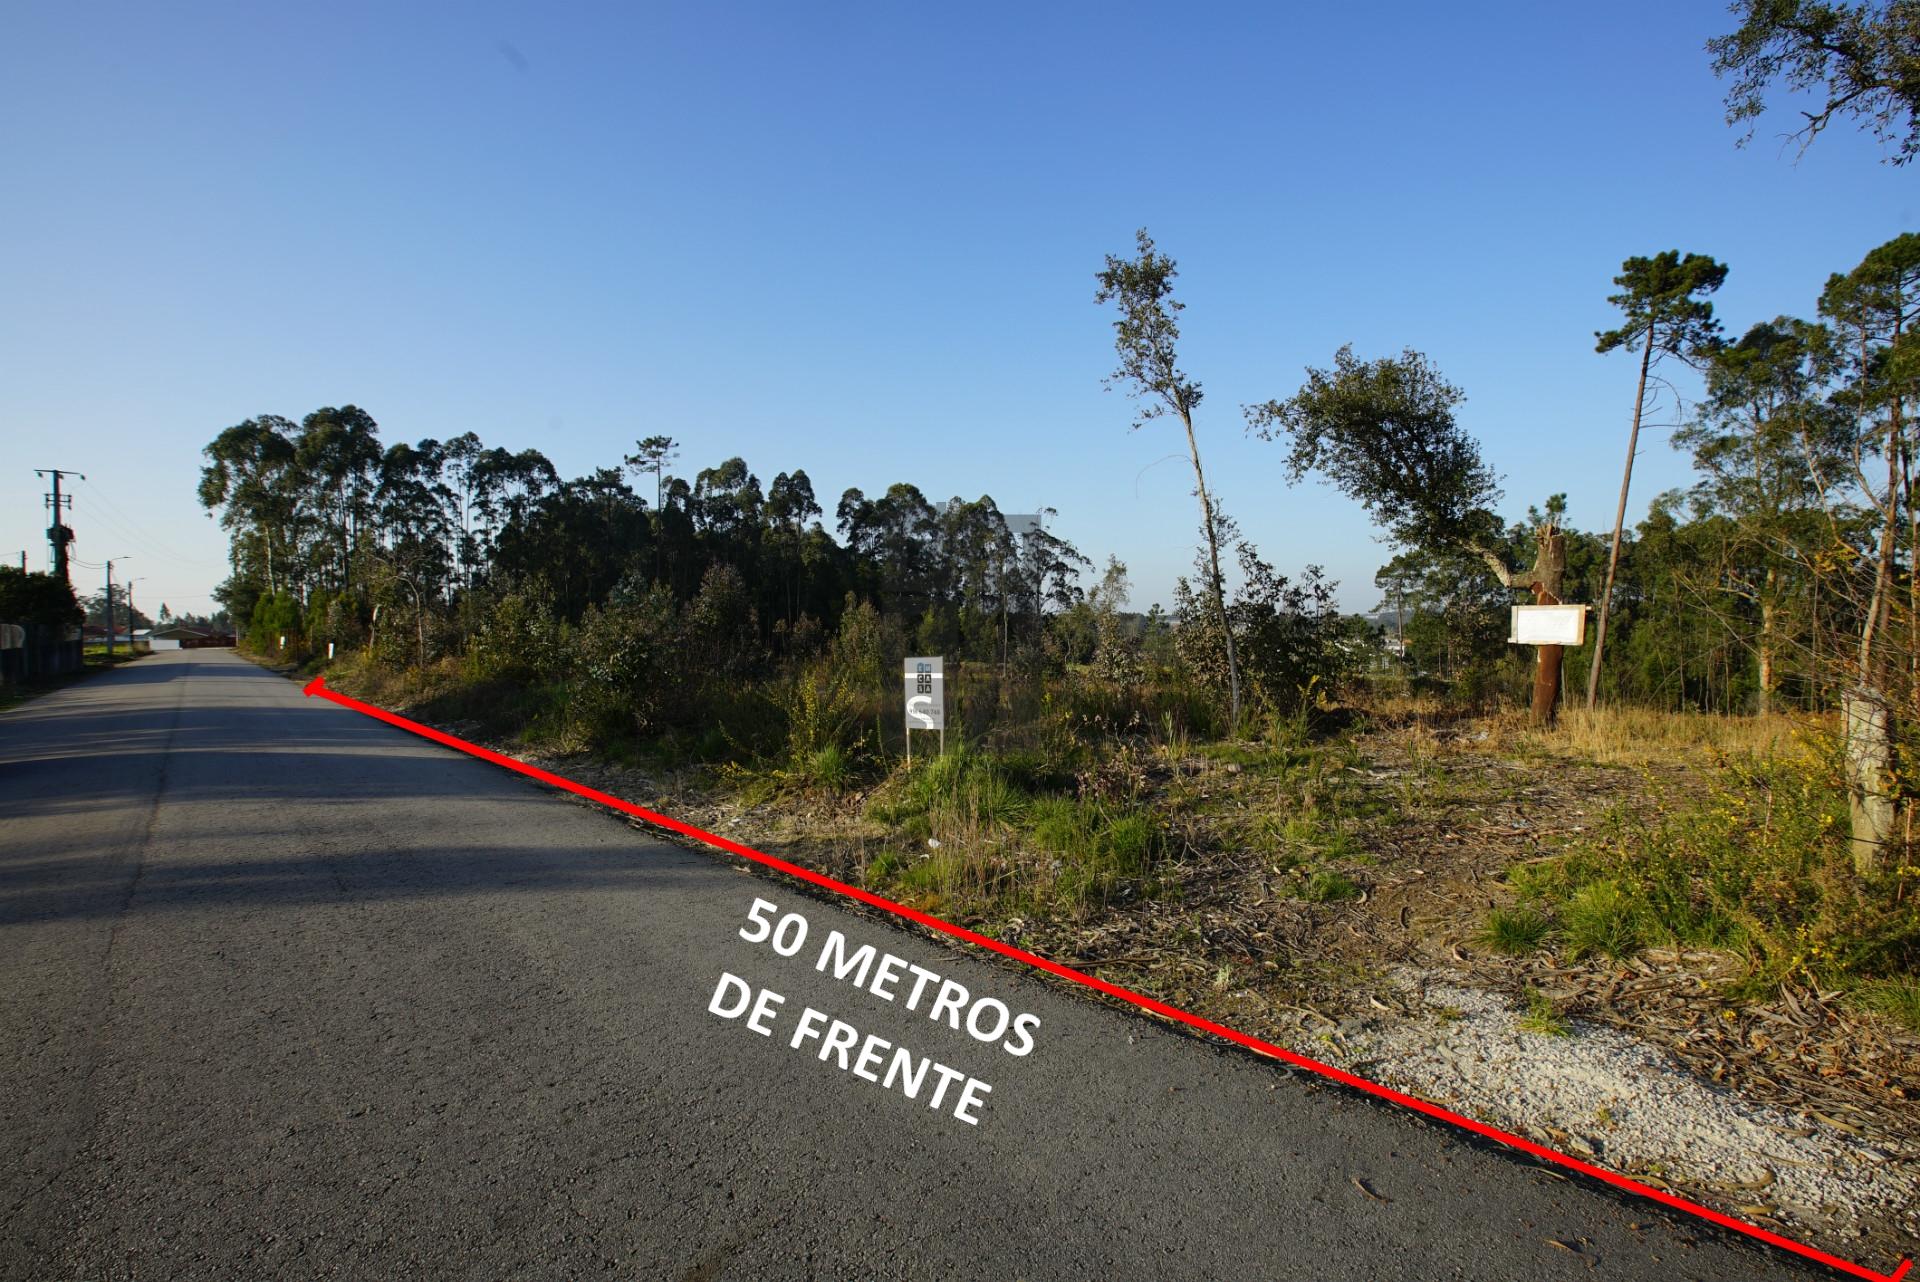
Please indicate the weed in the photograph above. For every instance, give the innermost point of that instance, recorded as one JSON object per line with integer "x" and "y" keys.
{"x": 1059, "y": 824}
{"x": 1543, "y": 1017}
{"x": 1327, "y": 886}
{"x": 830, "y": 767}
{"x": 1601, "y": 918}
{"x": 1513, "y": 931}
{"x": 1894, "y": 999}
{"x": 1758, "y": 866}
{"x": 884, "y": 866}
{"x": 994, "y": 798}
{"x": 1129, "y": 840}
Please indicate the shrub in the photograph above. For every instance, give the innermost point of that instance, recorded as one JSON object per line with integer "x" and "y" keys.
{"x": 519, "y": 639}
{"x": 1758, "y": 865}
{"x": 817, "y": 707}
{"x": 627, "y": 666}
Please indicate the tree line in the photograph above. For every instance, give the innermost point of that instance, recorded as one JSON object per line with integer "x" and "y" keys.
{"x": 1784, "y": 577}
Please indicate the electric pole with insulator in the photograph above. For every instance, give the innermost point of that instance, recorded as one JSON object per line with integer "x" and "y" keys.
{"x": 59, "y": 534}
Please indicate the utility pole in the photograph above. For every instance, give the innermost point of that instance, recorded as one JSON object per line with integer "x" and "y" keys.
{"x": 130, "y": 648}
{"x": 110, "y": 561}
{"x": 58, "y": 534}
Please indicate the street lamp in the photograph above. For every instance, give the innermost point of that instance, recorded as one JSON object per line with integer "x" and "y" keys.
{"x": 130, "y": 583}
{"x": 110, "y": 561}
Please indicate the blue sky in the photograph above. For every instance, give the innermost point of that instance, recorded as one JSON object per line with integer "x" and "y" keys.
{"x": 860, "y": 239}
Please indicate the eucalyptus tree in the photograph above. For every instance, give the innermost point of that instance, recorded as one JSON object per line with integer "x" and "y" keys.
{"x": 413, "y": 507}
{"x": 892, "y": 537}
{"x": 1146, "y": 337}
{"x": 575, "y": 543}
{"x": 251, "y": 477}
{"x": 789, "y": 511}
{"x": 1664, "y": 316}
{"x": 338, "y": 450}
{"x": 506, "y": 487}
{"x": 463, "y": 472}
{"x": 726, "y": 504}
{"x": 1855, "y": 60}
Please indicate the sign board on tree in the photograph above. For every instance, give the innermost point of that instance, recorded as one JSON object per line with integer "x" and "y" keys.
{"x": 1548, "y": 625}
{"x": 13, "y": 636}
{"x": 926, "y": 691}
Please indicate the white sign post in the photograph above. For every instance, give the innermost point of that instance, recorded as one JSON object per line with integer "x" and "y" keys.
{"x": 1548, "y": 625}
{"x": 926, "y": 695}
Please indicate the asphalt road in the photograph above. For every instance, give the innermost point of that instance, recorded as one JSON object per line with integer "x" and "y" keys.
{"x": 286, "y": 993}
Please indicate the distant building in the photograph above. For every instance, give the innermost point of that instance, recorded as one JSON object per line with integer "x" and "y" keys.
{"x": 178, "y": 636}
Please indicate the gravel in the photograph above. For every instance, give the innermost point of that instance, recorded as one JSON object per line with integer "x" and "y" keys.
{"x": 1603, "y": 1095}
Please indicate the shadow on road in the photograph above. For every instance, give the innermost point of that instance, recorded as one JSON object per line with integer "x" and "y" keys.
{"x": 262, "y": 799}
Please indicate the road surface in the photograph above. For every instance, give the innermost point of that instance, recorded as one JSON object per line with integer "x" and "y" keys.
{"x": 286, "y": 993}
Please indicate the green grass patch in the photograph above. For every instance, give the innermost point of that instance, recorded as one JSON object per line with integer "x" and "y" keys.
{"x": 1894, "y": 999}
{"x": 1327, "y": 886}
{"x": 1602, "y": 918}
{"x": 1543, "y": 1017}
{"x": 1513, "y": 931}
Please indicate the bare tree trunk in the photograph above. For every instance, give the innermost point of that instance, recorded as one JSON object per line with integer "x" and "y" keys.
{"x": 1620, "y": 519}
{"x": 1217, "y": 586}
{"x": 1768, "y": 611}
{"x": 1913, "y": 562}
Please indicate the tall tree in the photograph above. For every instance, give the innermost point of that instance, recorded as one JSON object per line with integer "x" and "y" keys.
{"x": 1147, "y": 336}
{"x": 1663, "y": 314}
{"x": 789, "y": 509}
{"x": 1876, "y": 307}
{"x": 1761, "y": 441}
{"x": 339, "y": 450}
{"x": 252, "y": 479}
{"x": 654, "y": 454}
{"x": 1858, "y": 60}
{"x": 1384, "y": 432}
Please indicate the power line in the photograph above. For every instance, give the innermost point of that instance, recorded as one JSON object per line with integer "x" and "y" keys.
{"x": 115, "y": 516}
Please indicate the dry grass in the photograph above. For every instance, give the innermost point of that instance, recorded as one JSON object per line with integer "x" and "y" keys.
{"x": 1639, "y": 736}
{"x": 1429, "y": 728}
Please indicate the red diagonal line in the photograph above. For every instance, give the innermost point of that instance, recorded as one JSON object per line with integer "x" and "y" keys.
{"x": 318, "y": 686}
